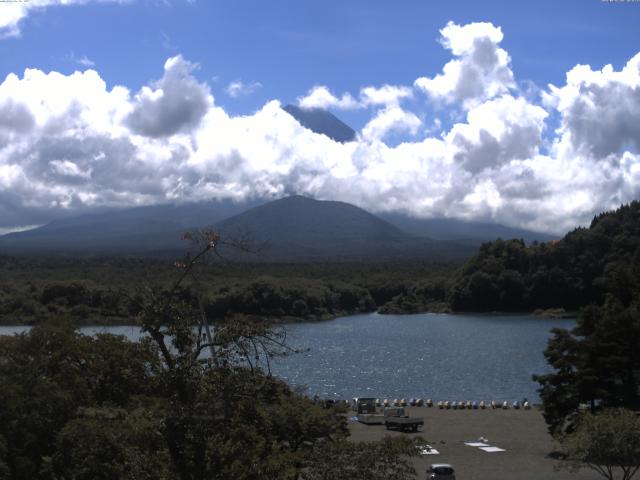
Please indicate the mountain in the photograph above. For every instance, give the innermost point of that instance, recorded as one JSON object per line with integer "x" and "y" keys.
{"x": 321, "y": 121}
{"x": 302, "y": 229}
{"x": 141, "y": 230}
{"x": 460, "y": 230}
{"x": 289, "y": 229}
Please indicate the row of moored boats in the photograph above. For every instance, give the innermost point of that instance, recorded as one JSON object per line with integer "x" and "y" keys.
{"x": 453, "y": 405}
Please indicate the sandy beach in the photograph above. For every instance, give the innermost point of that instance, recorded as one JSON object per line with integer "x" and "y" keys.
{"x": 521, "y": 433}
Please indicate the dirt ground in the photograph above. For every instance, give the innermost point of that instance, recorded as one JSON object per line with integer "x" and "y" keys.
{"x": 522, "y": 433}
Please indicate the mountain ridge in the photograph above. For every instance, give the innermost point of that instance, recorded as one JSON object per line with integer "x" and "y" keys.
{"x": 292, "y": 228}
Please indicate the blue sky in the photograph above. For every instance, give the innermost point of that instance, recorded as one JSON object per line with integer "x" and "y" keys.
{"x": 472, "y": 110}
{"x": 290, "y": 45}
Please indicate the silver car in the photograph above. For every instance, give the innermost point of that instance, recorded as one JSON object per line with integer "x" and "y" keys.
{"x": 441, "y": 471}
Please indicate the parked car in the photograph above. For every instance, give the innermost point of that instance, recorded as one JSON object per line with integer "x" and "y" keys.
{"x": 441, "y": 471}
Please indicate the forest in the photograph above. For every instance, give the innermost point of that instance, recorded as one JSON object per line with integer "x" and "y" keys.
{"x": 94, "y": 291}
{"x": 579, "y": 270}
{"x": 503, "y": 276}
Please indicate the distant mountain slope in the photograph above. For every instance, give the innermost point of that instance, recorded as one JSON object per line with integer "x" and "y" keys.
{"x": 295, "y": 229}
{"x": 299, "y": 228}
{"x": 136, "y": 230}
{"x": 470, "y": 232}
{"x": 322, "y": 121}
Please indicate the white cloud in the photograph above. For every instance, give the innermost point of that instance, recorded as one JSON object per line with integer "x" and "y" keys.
{"x": 480, "y": 71}
{"x": 86, "y": 62}
{"x": 388, "y": 120}
{"x": 497, "y": 132}
{"x": 68, "y": 143}
{"x": 13, "y": 13}
{"x": 385, "y": 96}
{"x": 68, "y": 169}
{"x": 176, "y": 102}
{"x": 238, "y": 88}
{"x": 600, "y": 109}
{"x": 388, "y": 95}
{"x": 83, "y": 61}
{"x": 18, "y": 228}
{"x": 321, "y": 97}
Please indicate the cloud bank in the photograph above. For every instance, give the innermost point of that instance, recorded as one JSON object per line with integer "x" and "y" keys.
{"x": 68, "y": 143}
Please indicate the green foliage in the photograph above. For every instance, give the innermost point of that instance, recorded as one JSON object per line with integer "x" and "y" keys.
{"x": 51, "y": 372}
{"x": 106, "y": 443}
{"x": 389, "y": 459}
{"x": 189, "y": 401}
{"x": 81, "y": 407}
{"x": 608, "y": 442}
{"x": 597, "y": 363}
{"x": 95, "y": 291}
{"x": 582, "y": 268}
{"x": 428, "y": 295}
{"x": 277, "y": 298}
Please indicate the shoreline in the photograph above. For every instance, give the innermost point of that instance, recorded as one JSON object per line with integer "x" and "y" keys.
{"x": 291, "y": 320}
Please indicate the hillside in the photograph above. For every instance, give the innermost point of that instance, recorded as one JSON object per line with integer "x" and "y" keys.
{"x": 141, "y": 230}
{"x": 302, "y": 229}
{"x": 580, "y": 269}
{"x": 470, "y": 232}
{"x": 293, "y": 228}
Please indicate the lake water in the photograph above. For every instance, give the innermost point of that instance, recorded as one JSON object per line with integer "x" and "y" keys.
{"x": 454, "y": 357}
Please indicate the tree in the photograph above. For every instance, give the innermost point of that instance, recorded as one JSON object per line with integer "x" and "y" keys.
{"x": 389, "y": 459}
{"x": 596, "y": 364}
{"x": 106, "y": 442}
{"x": 224, "y": 414}
{"x": 608, "y": 442}
{"x": 191, "y": 400}
{"x": 48, "y": 374}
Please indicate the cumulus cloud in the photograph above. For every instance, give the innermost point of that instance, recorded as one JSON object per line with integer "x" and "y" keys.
{"x": 321, "y": 97}
{"x": 388, "y": 95}
{"x": 480, "y": 70}
{"x": 15, "y": 116}
{"x": 175, "y": 102}
{"x": 600, "y": 109}
{"x": 389, "y": 120}
{"x": 497, "y": 132}
{"x": 13, "y": 13}
{"x": 238, "y": 88}
{"x": 68, "y": 143}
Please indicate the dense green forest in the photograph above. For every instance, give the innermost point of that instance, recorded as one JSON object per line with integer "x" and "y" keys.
{"x": 107, "y": 290}
{"x": 578, "y": 270}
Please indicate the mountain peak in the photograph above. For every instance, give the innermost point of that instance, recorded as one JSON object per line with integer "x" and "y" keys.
{"x": 323, "y": 122}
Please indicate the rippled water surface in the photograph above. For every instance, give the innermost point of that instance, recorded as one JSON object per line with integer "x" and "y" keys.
{"x": 456, "y": 357}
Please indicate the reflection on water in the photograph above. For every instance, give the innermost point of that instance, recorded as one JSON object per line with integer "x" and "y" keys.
{"x": 456, "y": 357}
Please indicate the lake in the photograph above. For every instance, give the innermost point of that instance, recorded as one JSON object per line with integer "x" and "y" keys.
{"x": 439, "y": 356}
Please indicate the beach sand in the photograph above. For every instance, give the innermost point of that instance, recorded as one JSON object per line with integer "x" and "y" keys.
{"x": 522, "y": 433}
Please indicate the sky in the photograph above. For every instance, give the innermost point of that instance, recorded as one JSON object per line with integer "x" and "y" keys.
{"x": 524, "y": 114}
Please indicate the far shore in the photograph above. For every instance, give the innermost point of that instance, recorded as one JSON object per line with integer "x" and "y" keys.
{"x": 551, "y": 313}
